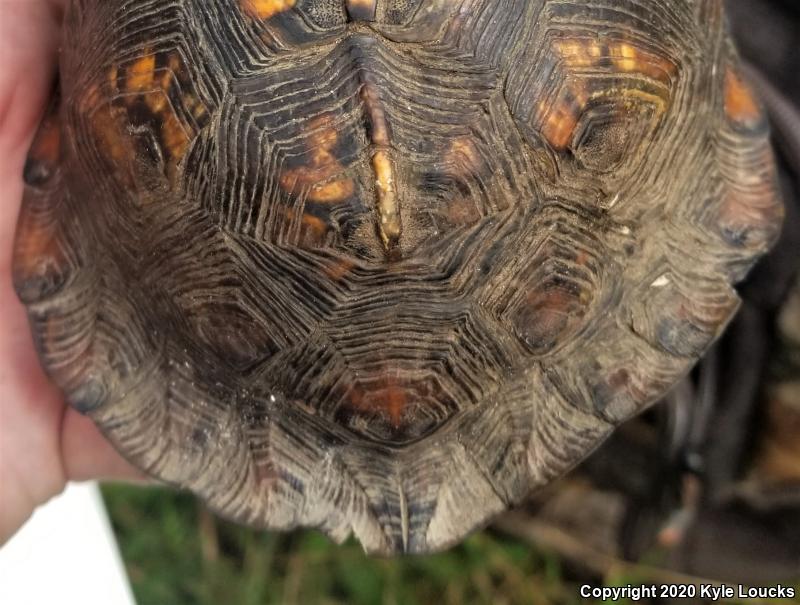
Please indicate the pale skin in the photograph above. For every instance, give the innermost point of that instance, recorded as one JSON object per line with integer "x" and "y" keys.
{"x": 43, "y": 442}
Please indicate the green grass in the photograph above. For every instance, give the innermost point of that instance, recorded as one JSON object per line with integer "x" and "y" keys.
{"x": 179, "y": 554}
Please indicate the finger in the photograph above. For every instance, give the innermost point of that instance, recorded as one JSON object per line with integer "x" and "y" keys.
{"x": 30, "y": 408}
{"x": 88, "y": 455}
{"x": 29, "y": 32}
{"x": 28, "y": 43}
{"x": 28, "y": 52}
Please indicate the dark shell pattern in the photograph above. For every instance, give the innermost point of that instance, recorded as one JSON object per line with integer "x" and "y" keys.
{"x": 382, "y": 267}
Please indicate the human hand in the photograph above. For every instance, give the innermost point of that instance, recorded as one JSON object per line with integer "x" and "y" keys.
{"x": 43, "y": 442}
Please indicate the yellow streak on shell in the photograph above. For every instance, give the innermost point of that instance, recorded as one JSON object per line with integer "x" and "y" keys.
{"x": 388, "y": 206}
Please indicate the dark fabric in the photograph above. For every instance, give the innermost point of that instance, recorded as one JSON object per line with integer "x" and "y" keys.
{"x": 768, "y": 35}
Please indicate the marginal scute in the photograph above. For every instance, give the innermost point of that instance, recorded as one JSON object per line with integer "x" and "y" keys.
{"x": 44, "y": 261}
{"x": 45, "y": 152}
{"x": 749, "y": 213}
{"x": 382, "y": 267}
{"x": 41, "y": 264}
{"x": 741, "y": 105}
{"x": 616, "y": 374}
{"x": 681, "y": 314}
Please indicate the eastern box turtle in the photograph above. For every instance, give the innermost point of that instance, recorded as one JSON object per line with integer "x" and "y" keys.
{"x": 384, "y": 266}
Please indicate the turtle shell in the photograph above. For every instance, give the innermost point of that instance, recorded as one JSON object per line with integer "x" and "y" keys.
{"x": 383, "y": 267}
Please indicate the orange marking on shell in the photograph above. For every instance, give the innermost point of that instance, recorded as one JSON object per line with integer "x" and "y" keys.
{"x": 559, "y": 119}
{"x": 112, "y": 78}
{"x": 321, "y": 133}
{"x": 339, "y": 269}
{"x": 104, "y": 121}
{"x": 175, "y": 138}
{"x": 546, "y": 314}
{"x": 388, "y": 396}
{"x": 141, "y": 74}
{"x": 149, "y": 85}
{"x": 752, "y": 200}
{"x": 559, "y": 124}
{"x": 630, "y": 59}
{"x": 463, "y": 153}
{"x": 394, "y": 400}
{"x": 312, "y": 228}
{"x": 36, "y": 247}
{"x": 37, "y": 252}
{"x": 46, "y": 146}
{"x": 578, "y": 53}
{"x": 741, "y": 105}
{"x": 113, "y": 142}
{"x": 310, "y": 177}
{"x": 154, "y": 84}
{"x": 314, "y": 225}
{"x": 335, "y": 191}
{"x": 265, "y": 9}
{"x": 320, "y": 140}
{"x": 305, "y": 176}
{"x": 462, "y": 158}
{"x": 195, "y": 106}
